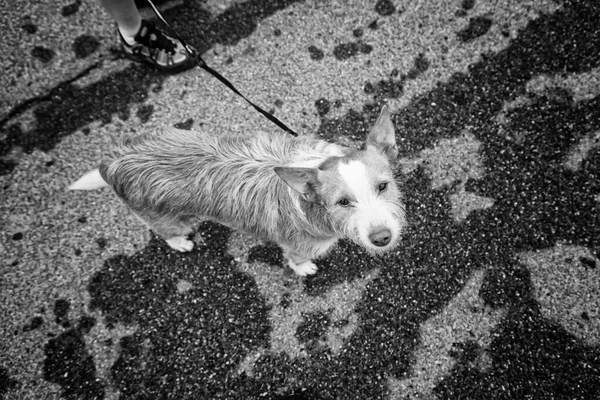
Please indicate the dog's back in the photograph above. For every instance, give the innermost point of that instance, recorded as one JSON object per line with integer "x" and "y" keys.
{"x": 229, "y": 179}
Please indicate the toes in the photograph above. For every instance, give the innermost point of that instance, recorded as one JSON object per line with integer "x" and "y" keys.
{"x": 304, "y": 269}
{"x": 186, "y": 245}
{"x": 181, "y": 244}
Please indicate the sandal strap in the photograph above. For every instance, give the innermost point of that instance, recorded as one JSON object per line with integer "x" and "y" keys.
{"x": 153, "y": 38}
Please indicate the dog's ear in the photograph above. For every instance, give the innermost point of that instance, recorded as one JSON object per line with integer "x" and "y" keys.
{"x": 303, "y": 180}
{"x": 382, "y": 135}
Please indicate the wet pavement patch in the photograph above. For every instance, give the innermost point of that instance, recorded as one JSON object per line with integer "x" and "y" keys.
{"x": 30, "y": 28}
{"x": 70, "y": 9}
{"x": 323, "y": 106}
{"x": 42, "y": 53}
{"x": 71, "y": 108}
{"x": 315, "y": 53}
{"x": 61, "y": 312}
{"x": 85, "y": 45}
{"x": 477, "y": 27}
{"x": 526, "y": 357}
{"x": 467, "y": 4}
{"x": 268, "y": 253}
{"x": 67, "y": 361}
{"x": 237, "y": 22}
{"x": 313, "y": 327}
{"x": 144, "y": 112}
{"x": 186, "y": 343}
{"x": 6, "y": 382}
{"x": 385, "y": 7}
{"x": 345, "y": 51}
{"x": 387, "y": 88}
{"x": 352, "y": 125}
{"x": 588, "y": 262}
{"x": 186, "y": 125}
{"x": 421, "y": 65}
{"x": 35, "y": 323}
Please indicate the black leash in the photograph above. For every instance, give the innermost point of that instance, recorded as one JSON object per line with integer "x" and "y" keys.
{"x": 193, "y": 53}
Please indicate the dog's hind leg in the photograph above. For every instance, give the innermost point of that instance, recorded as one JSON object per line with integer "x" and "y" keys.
{"x": 173, "y": 229}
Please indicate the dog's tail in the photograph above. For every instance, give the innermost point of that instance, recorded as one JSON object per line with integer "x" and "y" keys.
{"x": 90, "y": 181}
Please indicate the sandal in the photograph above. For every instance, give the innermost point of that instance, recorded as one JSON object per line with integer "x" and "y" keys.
{"x": 154, "y": 47}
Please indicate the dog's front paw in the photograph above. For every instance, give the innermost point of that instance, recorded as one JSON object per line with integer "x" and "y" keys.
{"x": 180, "y": 243}
{"x": 303, "y": 269}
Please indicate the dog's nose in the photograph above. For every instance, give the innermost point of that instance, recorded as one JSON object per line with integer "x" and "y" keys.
{"x": 380, "y": 236}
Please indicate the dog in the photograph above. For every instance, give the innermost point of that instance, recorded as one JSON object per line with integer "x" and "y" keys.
{"x": 302, "y": 193}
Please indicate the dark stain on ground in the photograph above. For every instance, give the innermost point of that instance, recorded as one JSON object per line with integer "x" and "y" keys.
{"x": 530, "y": 364}
{"x": 229, "y": 27}
{"x": 421, "y": 65}
{"x": 67, "y": 362}
{"x": 35, "y": 323}
{"x": 187, "y": 124}
{"x": 461, "y": 13}
{"x": 70, "y": 9}
{"x": 71, "y": 108}
{"x": 353, "y": 125}
{"x": 268, "y": 253}
{"x": 42, "y": 53}
{"x": 387, "y": 89}
{"x": 186, "y": 345}
{"x": 465, "y": 352}
{"x": 61, "y": 312}
{"x": 6, "y": 382}
{"x": 385, "y": 7}
{"x": 313, "y": 327}
{"x": 477, "y": 27}
{"x": 85, "y": 45}
{"x": 102, "y": 242}
{"x": 467, "y": 4}
{"x": 315, "y": 53}
{"x": 358, "y": 32}
{"x": 144, "y": 112}
{"x": 345, "y": 51}
{"x": 17, "y": 236}
{"x": 588, "y": 262}
{"x": 30, "y": 28}
{"x": 323, "y": 106}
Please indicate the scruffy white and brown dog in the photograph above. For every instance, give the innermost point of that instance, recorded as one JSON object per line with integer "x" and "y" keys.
{"x": 302, "y": 193}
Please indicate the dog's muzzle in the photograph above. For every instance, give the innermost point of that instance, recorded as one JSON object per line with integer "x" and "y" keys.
{"x": 380, "y": 236}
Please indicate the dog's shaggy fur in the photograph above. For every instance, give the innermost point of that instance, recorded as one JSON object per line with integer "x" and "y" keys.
{"x": 302, "y": 193}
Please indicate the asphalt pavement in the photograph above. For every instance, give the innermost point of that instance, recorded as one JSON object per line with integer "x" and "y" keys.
{"x": 493, "y": 292}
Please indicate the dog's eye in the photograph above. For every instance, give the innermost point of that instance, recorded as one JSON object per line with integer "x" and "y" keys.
{"x": 344, "y": 202}
{"x": 382, "y": 187}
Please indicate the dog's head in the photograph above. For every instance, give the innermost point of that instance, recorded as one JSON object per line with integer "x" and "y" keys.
{"x": 358, "y": 190}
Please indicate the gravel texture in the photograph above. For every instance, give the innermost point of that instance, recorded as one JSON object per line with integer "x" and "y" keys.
{"x": 492, "y": 293}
